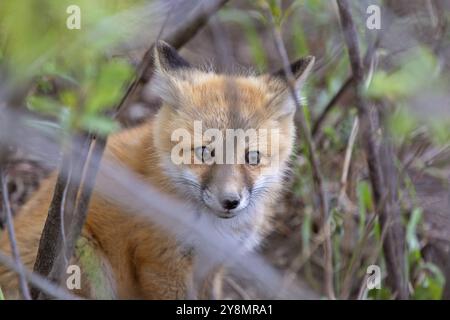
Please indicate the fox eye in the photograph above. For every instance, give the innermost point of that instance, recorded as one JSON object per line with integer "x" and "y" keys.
{"x": 204, "y": 153}
{"x": 252, "y": 158}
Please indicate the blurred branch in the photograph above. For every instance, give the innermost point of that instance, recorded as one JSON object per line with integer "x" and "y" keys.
{"x": 36, "y": 280}
{"x": 51, "y": 262}
{"x": 394, "y": 246}
{"x": 314, "y": 161}
{"x": 12, "y": 237}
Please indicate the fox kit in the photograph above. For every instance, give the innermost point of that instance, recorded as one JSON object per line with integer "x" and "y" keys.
{"x": 137, "y": 258}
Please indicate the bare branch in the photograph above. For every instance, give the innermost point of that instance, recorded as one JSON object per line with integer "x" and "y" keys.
{"x": 330, "y": 105}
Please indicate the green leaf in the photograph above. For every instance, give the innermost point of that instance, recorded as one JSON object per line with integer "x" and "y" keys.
{"x": 413, "y": 76}
{"x": 100, "y": 124}
{"x": 2, "y": 297}
{"x": 107, "y": 88}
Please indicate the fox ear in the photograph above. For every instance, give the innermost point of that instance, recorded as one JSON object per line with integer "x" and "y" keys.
{"x": 300, "y": 69}
{"x": 167, "y": 59}
{"x": 167, "y": 81}
{"x": 278, "y": 85}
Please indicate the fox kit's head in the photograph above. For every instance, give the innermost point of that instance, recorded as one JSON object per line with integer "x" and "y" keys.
{"x": 224, "y": 140}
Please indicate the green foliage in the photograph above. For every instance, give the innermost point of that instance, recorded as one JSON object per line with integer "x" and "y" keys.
{"x": 418, "y": 74}
{"x": 428, "y": 281}
{"x": 414, "y": 74}
{"x": 2, "y": 297}
{"x": 430, "y": 284}
{"x": 36, "y": 44}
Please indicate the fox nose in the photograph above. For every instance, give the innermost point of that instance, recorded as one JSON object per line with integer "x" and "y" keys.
{"x": 231, "y": 203}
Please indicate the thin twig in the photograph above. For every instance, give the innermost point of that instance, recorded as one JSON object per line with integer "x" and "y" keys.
{"x": 12, "y": 237}
{"x": 330, "y": 105}
{"x": 36, "y": 280}
{"x": 317, "y": 175}
{"x": 348, "y": 156}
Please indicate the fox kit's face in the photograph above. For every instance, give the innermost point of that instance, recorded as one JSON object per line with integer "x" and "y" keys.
{"x": 224, "y": 140}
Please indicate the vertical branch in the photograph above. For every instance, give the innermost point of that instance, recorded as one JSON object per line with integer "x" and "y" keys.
{"x": 61, "y": 211}
{"x": 313, "y": 159}
{"x": 386, "y": 204}
{"x": 79, "y": 215}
